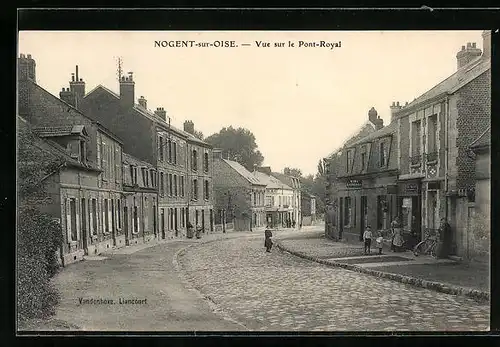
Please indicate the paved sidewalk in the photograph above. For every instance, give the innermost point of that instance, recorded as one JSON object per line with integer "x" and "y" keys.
{"x": 440, "y": 274}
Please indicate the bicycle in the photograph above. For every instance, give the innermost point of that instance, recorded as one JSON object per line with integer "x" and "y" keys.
{"x": 427, "y": 246}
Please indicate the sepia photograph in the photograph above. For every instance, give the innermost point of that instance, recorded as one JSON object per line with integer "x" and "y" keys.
{"x": 253, "y": 181}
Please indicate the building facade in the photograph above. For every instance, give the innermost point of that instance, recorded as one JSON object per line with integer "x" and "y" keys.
{"x": 140, "y": 189}
{"x": 294, "y": 183}
{"x": 308, "y": 203}
{"x": 182, "y": 161}
{"x": 367, "y": 181}
{"x": 239, "y": 195}
{"x": 278, "y": 199}
{"x": 435, "y": 130}
{"x": 90, "y": 205}
{"x": 333, "y": 164}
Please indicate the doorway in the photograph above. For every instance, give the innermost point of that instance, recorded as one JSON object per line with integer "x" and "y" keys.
{"x": 341, "y": 217}
{"x": 84, "y": 227}
{"x": 363, "y": 216}
{"x": 203, "y": 220}
{"x": 125, "y": 225}
{"x": 162, "y": 223}
{"x": 211, "y": 220}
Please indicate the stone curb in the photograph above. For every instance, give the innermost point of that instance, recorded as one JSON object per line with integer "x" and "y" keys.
{"x": 475, "y": 294}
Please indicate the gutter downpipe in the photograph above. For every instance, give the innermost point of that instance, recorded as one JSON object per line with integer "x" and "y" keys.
{"x": 446, "y": 149}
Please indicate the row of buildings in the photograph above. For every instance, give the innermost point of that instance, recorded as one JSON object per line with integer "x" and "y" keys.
{"x": 129, "y": 176}
{"x": 431, "y": 162}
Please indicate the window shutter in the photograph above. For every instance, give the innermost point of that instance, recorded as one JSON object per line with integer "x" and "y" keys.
{"x": 68, "y": 220}
{"x": 103, "y": 219}
{"x": 77, "y": 215}
{"x": 91, "y": 217}
{"x": 110, "y": 217}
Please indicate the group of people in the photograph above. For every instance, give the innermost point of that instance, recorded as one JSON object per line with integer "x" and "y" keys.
{"x": 398, "y": 244}
{"x": 397, "y": 241}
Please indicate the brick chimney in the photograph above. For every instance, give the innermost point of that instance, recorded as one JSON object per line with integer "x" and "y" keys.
{"x": 486, "y": 44}
{"x": 264, "y": 169}
{"x": 26, "y": 67}
{"x": 395, "y": 107}
{"x": 127, "y": 93}
{"x": 143, "y": 102}
{"x": 467, "y": 54}
{"x": 160, "y": 112}
{"x": 217, "y": 153}
{"x": 68, "y": 96}
{"x": 189, "y": 127}
{"x": 77, "y": 86}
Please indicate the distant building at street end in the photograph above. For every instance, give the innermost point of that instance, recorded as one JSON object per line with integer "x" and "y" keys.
{"x": 308, "y": 203}
{"x": 239, "y": 195}
{"x": 294, "y": 183}
{"x": 278, "y": 199}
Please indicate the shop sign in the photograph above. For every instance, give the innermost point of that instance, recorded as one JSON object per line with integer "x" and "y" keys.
{"x": 411, "y": 188}
{"x": 392, "y": 189}
{"x": 353, "y": 184}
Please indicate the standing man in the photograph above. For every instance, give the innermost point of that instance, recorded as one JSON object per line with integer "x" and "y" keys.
{"x": 444, "y": 246}
{"x": 367, "y": 238}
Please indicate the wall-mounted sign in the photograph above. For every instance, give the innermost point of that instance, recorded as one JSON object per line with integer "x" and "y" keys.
{"x": 409, "y": 188}
{"x": 392, "y": 189}
{"x": 353, "y": 184}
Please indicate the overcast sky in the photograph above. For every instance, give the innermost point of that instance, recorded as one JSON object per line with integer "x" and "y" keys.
{"x": 301, "y": 103}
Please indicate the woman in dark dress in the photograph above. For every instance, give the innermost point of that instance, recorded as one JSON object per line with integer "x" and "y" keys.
{"x": 268, "y": 243}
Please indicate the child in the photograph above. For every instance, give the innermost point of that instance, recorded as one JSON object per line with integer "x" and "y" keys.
{"x": 367, "y": 237}
{"x": 380, "y": 242}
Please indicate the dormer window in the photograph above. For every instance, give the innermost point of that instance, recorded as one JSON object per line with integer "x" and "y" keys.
{"x": 350, "y": 160}
{"x": 364, "y": 164}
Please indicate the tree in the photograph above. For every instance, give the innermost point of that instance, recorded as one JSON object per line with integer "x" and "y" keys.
{"x": 198, "y": 134}
{"x": 235, "y": 201}
{"x": 292, "y": 172}
{"x": 237, "y": 144}
{"x": 39, "y": 236}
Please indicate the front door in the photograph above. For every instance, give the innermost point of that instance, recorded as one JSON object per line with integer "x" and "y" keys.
{"x": 84, "y": 227}
{"x": 162, "y": 223}
{"x": 203, "y": 220}
{"x": 125, "y": 225}
{"x": 363, "y": 216}
{"x": 211, "y": 220}
{"x": 341, "y": 217}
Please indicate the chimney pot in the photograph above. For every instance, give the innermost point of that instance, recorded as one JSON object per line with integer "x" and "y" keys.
{"x": 463, "y": 48}
{"x": 397, "y": 103}
{"x": 29, "y": 56}
{"x": 21, "y": 55}
{"x": 406, "y": 104}
{"x": 393, "y": 103}
{"x": 473, "y": 45}
{"x": 81, "y": 79}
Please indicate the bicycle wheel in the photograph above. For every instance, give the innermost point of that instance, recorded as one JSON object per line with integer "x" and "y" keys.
{"x": 419, "y": 248}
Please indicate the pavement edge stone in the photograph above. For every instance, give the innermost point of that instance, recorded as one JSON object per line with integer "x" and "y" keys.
{"x": 436, "y": 286}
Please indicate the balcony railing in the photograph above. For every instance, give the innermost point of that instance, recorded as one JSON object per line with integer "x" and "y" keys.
{"x": 432, "y": 157}
{"x": 416, "y": 159}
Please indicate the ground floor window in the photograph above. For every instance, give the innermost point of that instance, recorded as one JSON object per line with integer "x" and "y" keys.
{"x": 93, "y": 216}
{"x": 72, "y": 219}
{"x": 136, "y": 220}
{"x": 347, "y": 211}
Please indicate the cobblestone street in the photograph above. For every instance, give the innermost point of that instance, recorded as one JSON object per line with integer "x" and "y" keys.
{"x": 278, "y": 291}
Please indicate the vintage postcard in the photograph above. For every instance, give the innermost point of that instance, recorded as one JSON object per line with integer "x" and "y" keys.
{"x": 180, "y": 181}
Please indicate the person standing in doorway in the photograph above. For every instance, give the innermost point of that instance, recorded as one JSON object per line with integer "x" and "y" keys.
{"x": 444, "y": 244}
{"x": 367, "y": 238}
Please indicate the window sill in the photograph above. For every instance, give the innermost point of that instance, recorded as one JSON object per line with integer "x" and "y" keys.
{"x": 416, "y": 165}
{"x": 432, "y": 162}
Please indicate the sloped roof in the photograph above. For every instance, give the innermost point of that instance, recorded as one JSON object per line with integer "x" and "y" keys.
{"x": 129, "y": 159}
{"x": 284, "y": 178}
{"x": 270, "y": 181}
{"x": 63, "y": 130}
{"x": 484, "y": 140}
{"x": 387, "y": 130}
{"x": 253, "y": 179}
{"x": 153, "y": 116}
{"x": 451, "y": 84}
{"x": 367, "y": 126}
{"x": 54, "y": 148}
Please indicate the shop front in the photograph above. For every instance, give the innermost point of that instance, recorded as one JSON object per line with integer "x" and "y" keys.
{"x": 410, "y": 202}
